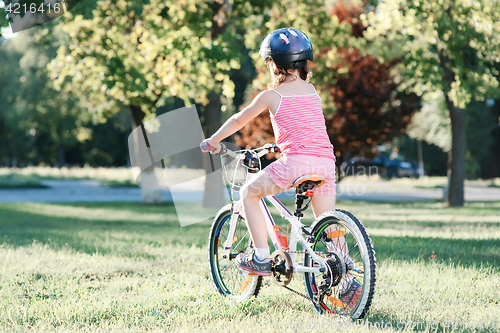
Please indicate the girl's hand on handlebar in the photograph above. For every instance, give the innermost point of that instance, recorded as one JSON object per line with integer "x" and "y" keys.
{"x": 210, "y": 146}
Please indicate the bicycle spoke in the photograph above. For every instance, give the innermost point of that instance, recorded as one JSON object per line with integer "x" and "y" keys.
{"x": 225, "y": 273}
{"x": 241, "y": 239}
{"x": 348, "y": 240}
{"x": 231, "y": 264}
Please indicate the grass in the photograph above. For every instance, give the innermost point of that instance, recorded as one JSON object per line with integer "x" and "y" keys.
{"x": 374, "y": 182}
{"x": 14, "y": 180}
{"x": 118, "y": 183}
{"x": 123, "y": 177}
{"x": 114, "y": 267}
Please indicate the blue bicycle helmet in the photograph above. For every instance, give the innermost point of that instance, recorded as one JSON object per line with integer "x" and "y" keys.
{"x": 288, "y": 48}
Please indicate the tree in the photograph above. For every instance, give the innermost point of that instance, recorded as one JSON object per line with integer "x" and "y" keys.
{"x": 362, "y": 107}
{"x": 431, "y": 124}
{"x": 490, "y": 167}
{"x": 26, "y": 14}
{"x": 15, "y": 137}
{"x": 369, "y": 110}
{"x": 39, "y": 123}
{"x": 136, "y": 55}
{"x": 446, "y": 45}
{"x": 325, "y": 32}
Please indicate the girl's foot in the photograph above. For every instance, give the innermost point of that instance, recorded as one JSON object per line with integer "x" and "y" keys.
{"x": 252, "y": 264}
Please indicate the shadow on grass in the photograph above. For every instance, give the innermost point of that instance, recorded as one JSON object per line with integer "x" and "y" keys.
{"x": 133, "y": 229}
{"x": 381, "y": 321}
{"x": 128, "y": 236}
{"x": 463, "y": 252}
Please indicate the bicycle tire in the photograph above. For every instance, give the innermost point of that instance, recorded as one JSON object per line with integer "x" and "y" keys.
{"x": 359, "y": 249}
{"x": 226, "y": 275}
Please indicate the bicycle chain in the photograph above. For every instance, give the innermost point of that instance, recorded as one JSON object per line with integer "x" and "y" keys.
{"x": 317, "y": 252}
{"x": 300, "y": 294}
{"x": 295, "y": 291}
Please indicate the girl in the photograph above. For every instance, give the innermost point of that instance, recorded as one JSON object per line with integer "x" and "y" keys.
{"x": 299, "y": 128}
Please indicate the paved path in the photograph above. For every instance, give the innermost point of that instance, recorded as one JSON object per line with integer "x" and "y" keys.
{"x": 72, "y": 191}
{"x": 90, "y": 190}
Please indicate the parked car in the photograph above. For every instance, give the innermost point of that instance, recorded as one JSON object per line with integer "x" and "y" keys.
{"x": 383, "y": 165}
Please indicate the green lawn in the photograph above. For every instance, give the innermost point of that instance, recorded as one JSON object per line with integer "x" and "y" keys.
{"x": 115, "y": 267}
{"x": 14, "y": 180}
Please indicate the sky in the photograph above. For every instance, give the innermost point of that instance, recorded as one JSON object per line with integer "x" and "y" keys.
{"x": 7, "y": 31}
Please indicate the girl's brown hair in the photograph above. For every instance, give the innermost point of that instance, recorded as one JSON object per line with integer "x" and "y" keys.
{"x": 281, "y": 74}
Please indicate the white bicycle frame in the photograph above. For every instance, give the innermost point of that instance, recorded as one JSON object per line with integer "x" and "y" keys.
{"x": 295, "y": 233}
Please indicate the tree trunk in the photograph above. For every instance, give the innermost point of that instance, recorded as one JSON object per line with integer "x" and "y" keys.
{"x": 457, "y": 165}
{"x": 61, "y": 161}
{"x": 446, "y": 188}
{"x": 457, "y": 116}
{"x": 214, "y": 187}
{"x": 148, "y": 177}
{"x": 137, "y": 116}
{"x": 420, "y": 159}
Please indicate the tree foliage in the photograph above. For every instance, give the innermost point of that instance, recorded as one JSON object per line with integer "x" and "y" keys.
{"x": 369, "y": 109}
{"x": 451, "y": 46}
{"x": 325, "y": 32}
{"x": 41, "y": 125}
{"x": 446, "y": 45}
{"x": 33, "y": 113}
{"x": 431, "y": 123}
{"x": 359, "y": 94}
{"x": 136, "y": 54}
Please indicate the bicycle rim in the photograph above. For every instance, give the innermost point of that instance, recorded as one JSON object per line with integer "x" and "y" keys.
{"x": 348, "y": 235}
{"x": 228, "y": 278}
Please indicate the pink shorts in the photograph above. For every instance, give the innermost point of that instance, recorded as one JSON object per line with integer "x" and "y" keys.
{"x": 284, "y": 171}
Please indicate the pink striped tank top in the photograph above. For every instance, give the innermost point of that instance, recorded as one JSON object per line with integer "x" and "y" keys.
{"x": 299, "y": 126}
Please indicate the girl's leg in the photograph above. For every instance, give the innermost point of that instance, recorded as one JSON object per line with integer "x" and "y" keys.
{"x": 322, "y": 203}
{"x": 251, "y": 193}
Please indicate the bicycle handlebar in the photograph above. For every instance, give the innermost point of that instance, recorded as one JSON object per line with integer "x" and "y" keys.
{"x": 204, "y": 146}
{"x": 265, "y": 149}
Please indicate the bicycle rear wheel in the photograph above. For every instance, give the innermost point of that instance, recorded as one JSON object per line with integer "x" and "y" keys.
{"x": 229, "y": 280}
{"x": 341, "y": 240}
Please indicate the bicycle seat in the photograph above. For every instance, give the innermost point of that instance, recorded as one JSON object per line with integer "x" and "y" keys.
{"x": 308, "y": 182}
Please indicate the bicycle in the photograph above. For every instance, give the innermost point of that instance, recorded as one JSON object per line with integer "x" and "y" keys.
{"x": 336, "y": 248}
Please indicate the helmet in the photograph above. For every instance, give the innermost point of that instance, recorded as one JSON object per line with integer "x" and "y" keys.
{"x": 287, "y": 47}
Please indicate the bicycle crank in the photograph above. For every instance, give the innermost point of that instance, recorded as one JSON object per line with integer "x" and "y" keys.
{"x": 281, "y": 268}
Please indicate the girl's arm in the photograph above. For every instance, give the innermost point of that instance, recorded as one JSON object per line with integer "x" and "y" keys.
{"x": 237, "y": 121}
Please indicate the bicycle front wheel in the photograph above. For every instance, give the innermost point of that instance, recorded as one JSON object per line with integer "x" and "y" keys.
{"x": 229, "y": 280}
{"x": 348, "y": 285}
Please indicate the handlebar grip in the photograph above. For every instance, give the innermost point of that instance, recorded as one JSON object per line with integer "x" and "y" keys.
{"x": 204, "y": 146}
